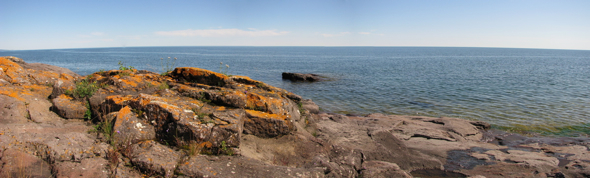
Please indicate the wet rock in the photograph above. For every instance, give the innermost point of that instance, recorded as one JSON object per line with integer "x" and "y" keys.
{"x": 151, "y": 156}
{"x": 301, "y": 77}
{"x": 68, "y": 108}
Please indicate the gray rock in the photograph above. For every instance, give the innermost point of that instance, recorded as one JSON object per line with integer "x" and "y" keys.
{"x": 238, "y": 166}
{"x": 16, "y": 163}
{"x": 309, "y": 105}
{"x": 151, "y": 156}
{"x": 382, "y": 169}
{"x": 91, "y": 167}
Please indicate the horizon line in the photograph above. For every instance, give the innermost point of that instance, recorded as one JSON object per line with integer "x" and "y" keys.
{"x": 3, "y": 50}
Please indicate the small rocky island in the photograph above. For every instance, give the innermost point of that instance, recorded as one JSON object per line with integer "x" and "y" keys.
{"x": 193, "y": 122}
{"x": 299, "y": 77}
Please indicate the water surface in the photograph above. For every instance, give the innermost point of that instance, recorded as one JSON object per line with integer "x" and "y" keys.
{"x": 539, "y": 90}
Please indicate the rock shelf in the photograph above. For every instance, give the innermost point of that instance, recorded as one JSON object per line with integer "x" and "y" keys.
{"x": 194, "y": 122}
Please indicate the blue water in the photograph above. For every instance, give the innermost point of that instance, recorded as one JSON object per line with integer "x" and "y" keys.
{"x": 539, "y": 90}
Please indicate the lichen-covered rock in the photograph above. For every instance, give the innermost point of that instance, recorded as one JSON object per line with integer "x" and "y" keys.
{"x": 151, "y": 156}
{"x": 129, "y": 129}
{"x": 202, "y": 76}
{"x": 13, "y": 72}
{"x": 266, "y": 125}
{"x": 68, "y": 108}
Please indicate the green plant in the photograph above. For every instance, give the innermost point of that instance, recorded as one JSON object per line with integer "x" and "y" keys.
{"x": 169, "y": 65}
{"x": 84, "y": 88}
{"x": 106, "y": 128}
{"x": 123, "y": 67}
{"x": 122, "y": 74}
{"x": 163, "y": 86}
{"x": 300, "y": 105}
{"x": 226, "y": 149}
{"x": 139, "y": 112}
{"x": 203, "y": 98}
{"x": 315, "y": 134}
{"x": 88, "y": 114}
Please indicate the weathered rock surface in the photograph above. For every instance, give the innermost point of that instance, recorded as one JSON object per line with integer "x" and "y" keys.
{"x": 198, "y": 123}
{"x": 301, "y": 77}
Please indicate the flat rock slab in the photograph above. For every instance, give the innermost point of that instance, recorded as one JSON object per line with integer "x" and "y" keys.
{"x": 238, "y": 166}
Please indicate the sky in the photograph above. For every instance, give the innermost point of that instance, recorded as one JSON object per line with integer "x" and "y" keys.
{"x": 58, "y": 24}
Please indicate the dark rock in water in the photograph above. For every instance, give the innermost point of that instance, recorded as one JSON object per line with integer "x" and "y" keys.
{"x": 301, "y": 77}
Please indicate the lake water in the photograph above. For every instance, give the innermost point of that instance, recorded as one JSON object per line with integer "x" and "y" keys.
{"x": 539, "y": 90}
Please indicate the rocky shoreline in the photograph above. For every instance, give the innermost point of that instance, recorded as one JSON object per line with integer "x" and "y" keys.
{"x": 193, "y": 122}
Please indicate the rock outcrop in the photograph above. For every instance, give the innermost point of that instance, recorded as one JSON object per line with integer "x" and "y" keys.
{"x": 197, "y": 123}
{"x": 301, "y": 77}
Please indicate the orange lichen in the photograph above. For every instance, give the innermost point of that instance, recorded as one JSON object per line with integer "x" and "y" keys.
{"x": 206, "y": 144}
{"x": 258, "y": 114}
{"x": 12, "y": 94}
{"x": 118, "y": 99}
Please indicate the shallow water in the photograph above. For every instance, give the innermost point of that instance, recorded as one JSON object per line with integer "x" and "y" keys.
{"x": 539, "y": 90}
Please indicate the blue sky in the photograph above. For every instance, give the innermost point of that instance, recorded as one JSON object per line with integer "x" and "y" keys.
{"x": 58, "y": 24}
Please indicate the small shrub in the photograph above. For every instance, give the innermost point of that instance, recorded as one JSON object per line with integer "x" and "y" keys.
{"x": 123, "y": 67}
{"x": 84, "y": 88}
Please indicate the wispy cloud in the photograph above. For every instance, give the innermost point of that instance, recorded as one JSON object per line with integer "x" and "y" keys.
{"x": 97, "y": 33}
{"x": 370, "y": 33}
{"x": 222, "y": 32}
{"x": 334, "y": 35}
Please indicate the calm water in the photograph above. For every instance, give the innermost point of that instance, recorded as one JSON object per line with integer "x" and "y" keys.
{"x": 539, "y": 90}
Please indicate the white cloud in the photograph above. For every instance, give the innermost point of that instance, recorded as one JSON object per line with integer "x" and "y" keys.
{"x": 334, "y": 35}
{"x": 365, "y": 33}
{"x": 222, "y": 32}
{"x": 97, "y": 33}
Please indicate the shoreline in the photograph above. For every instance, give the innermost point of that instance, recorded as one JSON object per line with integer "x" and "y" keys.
{"x": 193, "y": 122}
